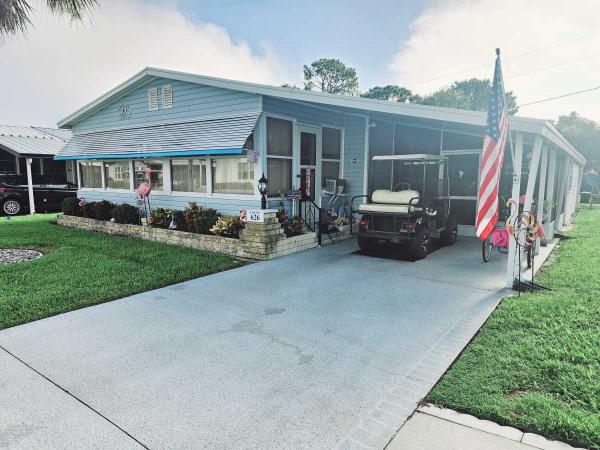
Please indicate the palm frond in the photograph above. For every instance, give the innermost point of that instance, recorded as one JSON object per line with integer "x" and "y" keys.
{"x": 14, "y": 16}
{"x": 73, "y": 8}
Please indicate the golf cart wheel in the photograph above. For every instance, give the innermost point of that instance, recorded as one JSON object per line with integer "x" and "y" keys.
{"x": 486, "y": 249}
{"x": 366, "y": 244}
{"x": 11, "y": 207}
{"x": 420, "y": 245}
{"x": 450, "y": 234}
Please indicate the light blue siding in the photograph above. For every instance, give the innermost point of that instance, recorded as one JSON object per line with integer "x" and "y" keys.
{"x": 229, "y": 206}
{"x": 190, "y": 101}
{"x": 354, "y": 147}
{"x": 303, "y": 113}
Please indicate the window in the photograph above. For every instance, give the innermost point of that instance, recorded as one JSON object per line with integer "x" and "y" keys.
{"x": 279, "y": 155}
{"x": 156, "y": 178}
{"x": 116, "y": 174}
{"x": 232, "y": 176}
{"x": 167, "y": 96}
{"x": 332, "y": 149}
{"x": 153, "y": 99}
{"x": 188, "y": 175}
{"x": 91, "y": 174}
{"x": 71, "y": 172}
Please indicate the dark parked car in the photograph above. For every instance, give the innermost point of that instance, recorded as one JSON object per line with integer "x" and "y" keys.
{"x": 14, "y": 195}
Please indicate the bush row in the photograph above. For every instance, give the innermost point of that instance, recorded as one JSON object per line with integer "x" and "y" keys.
{"x": 194, "y": 218}
{"x": 103, "y": 210}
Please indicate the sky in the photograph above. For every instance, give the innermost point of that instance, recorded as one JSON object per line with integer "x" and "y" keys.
{"x": 60, "y": 66}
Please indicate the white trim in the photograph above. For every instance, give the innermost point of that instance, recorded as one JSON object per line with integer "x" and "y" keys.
{"x": 245, "y": 197}
{"x": 78, "y": 175}
{"x": 511, "y": 263}
{"x": 541, "y": 192}
{"x": 209, "y": 176}
{"x": 28, "y": 162}
{"x": 131, "y": 175}
{"x": 366, "y": 156}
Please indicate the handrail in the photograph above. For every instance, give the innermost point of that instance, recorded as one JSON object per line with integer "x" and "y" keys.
{"x": 315, "y": 223}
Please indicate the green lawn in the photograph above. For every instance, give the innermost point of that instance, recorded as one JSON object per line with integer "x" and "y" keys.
{"x": 82, "y": 268}
{"x": 535, "y": 364}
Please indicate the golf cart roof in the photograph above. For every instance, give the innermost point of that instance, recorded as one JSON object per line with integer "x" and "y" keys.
{"x": 412, "y": 157}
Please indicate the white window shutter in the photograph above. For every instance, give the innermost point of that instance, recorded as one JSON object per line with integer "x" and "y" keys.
{"x": 167, "y": 96}
{"x": 153, "y": 99}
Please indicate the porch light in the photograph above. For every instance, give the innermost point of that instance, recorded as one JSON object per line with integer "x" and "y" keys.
{"x": 263, "y": 188}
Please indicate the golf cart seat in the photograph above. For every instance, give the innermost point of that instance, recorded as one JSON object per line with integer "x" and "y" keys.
{"x": 386, "y": 201}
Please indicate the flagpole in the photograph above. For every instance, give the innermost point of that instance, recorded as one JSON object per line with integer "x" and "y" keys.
{"x": 513, "y": 248}
{"x": 512, "y": 148}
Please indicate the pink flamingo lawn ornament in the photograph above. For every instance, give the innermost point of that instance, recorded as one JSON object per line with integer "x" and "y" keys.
{"x": 144, "y": 190}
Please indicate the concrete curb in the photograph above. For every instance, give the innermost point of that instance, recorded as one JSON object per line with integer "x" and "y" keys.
{"x": 514, "y": 434}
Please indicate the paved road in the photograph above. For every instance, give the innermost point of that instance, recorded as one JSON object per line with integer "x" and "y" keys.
{"x": 320, "y": 349}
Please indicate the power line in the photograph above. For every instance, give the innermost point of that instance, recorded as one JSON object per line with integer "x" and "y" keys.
{"x": 559, "y": 96}
{"x": 539, "y": 69}
{"x": 481, "y": 66}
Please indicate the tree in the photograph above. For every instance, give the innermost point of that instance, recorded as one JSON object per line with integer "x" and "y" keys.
{"x": 330, "y": 75}
{"x": 15, "y": 14}
{"x": 390, "y": 92}
{"x": 471, "y": 94}
{"x": 583, "y": 134}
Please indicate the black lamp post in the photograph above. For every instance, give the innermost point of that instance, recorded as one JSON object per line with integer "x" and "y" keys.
{"x": 263, "y": 188}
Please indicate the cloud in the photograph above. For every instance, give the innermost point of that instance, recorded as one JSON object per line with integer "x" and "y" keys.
{"x": 59, "y": 66}
{"x": 453, "y": 35}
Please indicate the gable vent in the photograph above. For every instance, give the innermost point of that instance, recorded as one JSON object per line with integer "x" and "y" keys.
{"x": 167, "y": 96}
{"x": 153, "y": 99}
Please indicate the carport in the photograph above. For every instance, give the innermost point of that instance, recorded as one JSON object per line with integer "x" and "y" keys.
{"x": 32, "y": 149}
{"x": 539, "y": 164}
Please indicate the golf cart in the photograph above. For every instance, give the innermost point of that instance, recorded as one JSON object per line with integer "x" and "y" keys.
{"x": 413, "y": 210}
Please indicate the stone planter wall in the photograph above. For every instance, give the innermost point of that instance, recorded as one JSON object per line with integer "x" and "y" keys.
{"x": 342, "y": 234}
{"x": 257, "y": 241}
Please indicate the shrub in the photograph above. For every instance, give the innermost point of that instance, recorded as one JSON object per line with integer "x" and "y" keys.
{"x": 228, "y": 226}
{"x": 103, "y": 210}
{"x": 88, "y": 210}
{"x": 291, "y": 227}
{"x": 70, "y": 207}
{"x": 126, "y": 214}
{"x": 198, "y": 219}
{"x": 160, "y": 218}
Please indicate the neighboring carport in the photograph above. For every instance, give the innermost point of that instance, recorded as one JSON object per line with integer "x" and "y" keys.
{"x": 315, "y": 350}
{"x": 22, "y": 148}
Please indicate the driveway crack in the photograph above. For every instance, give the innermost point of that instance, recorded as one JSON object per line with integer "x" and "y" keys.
{"x": 91, "y": 408}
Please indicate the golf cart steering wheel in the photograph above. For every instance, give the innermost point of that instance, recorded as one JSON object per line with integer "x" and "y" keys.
{"x": 399, "y": 185}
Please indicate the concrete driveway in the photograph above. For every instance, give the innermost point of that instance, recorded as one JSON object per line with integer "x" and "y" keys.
{"x": 321, "y": 349}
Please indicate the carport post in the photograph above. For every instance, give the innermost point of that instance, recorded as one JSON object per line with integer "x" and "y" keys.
{"x": 514, "y": 208}
{"x": 562, "y": 191}
{"x": 548, "y": 229}
{"x": 533, "y": 170}
{"x": 541, "y": 192}
{"x": 30, "y": 187}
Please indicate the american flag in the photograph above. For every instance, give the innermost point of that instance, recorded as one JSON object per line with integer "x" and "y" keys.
{"x": 494, "y": 141}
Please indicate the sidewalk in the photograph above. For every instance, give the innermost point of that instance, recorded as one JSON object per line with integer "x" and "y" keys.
{"x": 432, "y": 428}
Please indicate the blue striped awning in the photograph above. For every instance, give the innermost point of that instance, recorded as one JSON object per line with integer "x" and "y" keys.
{"x": 223, "y": 136}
